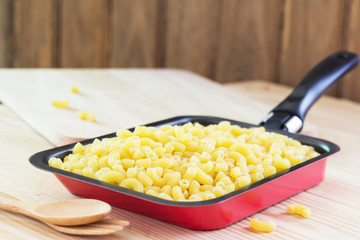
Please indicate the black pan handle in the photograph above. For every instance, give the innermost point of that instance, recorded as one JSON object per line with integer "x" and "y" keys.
{"x": 289, "y": 114}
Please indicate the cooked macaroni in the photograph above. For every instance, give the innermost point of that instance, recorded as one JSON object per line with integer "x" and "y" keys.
{"x": 186, "y": 163}
{"x": 86, "y": 116}
{"x": 74, "y": 89}
{"x": 60, "y": 104}
{"x": 90, "y": 117}
{"x": 262, "y": 226}
{"x": 299, "y": 209}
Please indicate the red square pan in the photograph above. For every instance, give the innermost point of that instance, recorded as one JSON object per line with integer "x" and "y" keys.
{"x": 232, "y": 207}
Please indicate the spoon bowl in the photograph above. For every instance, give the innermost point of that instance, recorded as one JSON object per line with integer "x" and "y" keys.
{"x": 73, "y": 212}
{"x": 66, "y": 213}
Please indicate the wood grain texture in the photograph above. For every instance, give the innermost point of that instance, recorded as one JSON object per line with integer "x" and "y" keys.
{"x": 34, "y": 33}
{"x": 84, "y": 32}
{"x": 16, "y": 226}
{"x": 311, "y": 31}
{"x": 134, "y": 33}
{"x": 249, "y": 40}
{"x": 191, "y": 35}
{"x": 122, "y": 99}
{"x": 6, "y": 25}
{"x": 334, "y": 202}
{"x": 227, "y": 41}
{"x": 350, "y": 86}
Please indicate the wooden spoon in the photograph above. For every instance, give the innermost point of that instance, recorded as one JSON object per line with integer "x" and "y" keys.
{"x": 69, "y": 212}
{"x": 102, "y": 227}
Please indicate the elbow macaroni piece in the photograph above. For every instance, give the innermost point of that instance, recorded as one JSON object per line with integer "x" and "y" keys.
{"x": 132, "y": 183}
{"x": 86, "y": 116}
{"x": 262, "y": 226}
{"x": 74, "y": 89}
{"x": 186, "y": 163}
{"x": 60, "y": 104}
{"x": 299, "y": 209}
{"x": 114, "y": 177}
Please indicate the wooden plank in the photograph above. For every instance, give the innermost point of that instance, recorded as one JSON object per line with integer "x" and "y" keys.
{"x": 312, "y": 30}
{"x": 350, "y": 86}
{"x": 35, "y": 29}
{"x": 248, "y": 40}
{"x": 191, "y": 35}
{"x": 84, "y": 33}
{"x": 134, "y": 28}
{"x": 6, "y": 9}
{"x": 119, "y": 99}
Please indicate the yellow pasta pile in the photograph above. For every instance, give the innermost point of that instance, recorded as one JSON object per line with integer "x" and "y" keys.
{"x": 186, "y": 163}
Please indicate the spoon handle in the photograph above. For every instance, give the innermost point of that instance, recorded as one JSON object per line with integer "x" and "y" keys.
{"x": 83, "y": 230}
{"x": 12, "y": 204}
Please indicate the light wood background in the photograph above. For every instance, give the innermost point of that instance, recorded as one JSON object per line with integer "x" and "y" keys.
{"x": 224, "y": 40}
{"x": 334, "y": 202}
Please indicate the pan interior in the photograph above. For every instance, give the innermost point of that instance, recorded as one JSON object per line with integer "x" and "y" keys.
{"x": 40, "y": 160}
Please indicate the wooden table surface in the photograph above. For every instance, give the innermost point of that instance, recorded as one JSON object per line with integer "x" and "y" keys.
{"x": 334, "y": 202}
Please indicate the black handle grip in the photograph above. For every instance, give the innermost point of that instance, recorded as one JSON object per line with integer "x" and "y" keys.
{"x": 312, "y": 86}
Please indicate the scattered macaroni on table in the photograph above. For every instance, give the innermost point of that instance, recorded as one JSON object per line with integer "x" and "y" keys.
{"x": 86, "y": 116}
{"x": 60, "y": 103}
{"x": 74, "y": 89}
{"x": 186, "y": 163}
{"x": 299, "y": 209}
{"x": 262, "y": 226}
